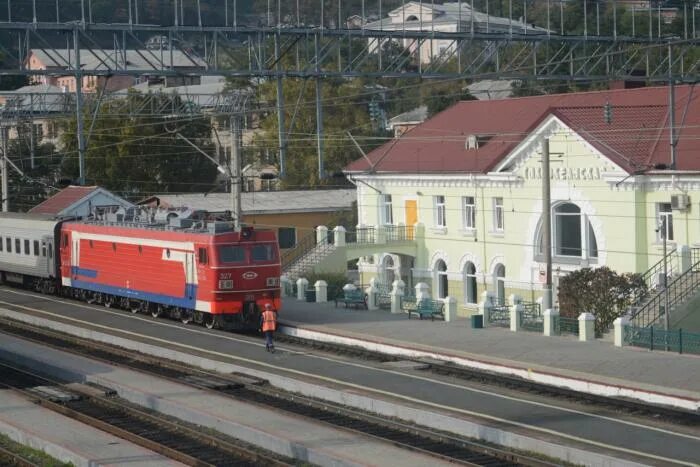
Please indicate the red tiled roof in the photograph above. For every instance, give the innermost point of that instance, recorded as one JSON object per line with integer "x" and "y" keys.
{"x": 637, "y": 138}
{"x": 63, "y": 199}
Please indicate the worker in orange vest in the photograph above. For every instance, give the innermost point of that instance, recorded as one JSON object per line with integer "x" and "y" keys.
{"x": 268, "y": 325}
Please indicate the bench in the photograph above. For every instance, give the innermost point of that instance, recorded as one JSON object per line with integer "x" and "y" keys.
{"x": 352, "y": 297}
{"x": 427, "y": 308}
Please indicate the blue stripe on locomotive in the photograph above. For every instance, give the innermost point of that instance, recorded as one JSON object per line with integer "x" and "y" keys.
{"x": 188, "y": 301}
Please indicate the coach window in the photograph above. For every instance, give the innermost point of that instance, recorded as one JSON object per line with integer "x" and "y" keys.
{"x": 18, "y": 246}
{"x": 8, "y": 244}
{"x": 26, "y": 247}
{"x": 203, "y": 256}
{"x": 36, "y": 247}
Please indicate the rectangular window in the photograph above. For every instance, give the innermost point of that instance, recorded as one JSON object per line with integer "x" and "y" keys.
{"x": 469, "y": 220}
{"x": 1, "y": 244}
{"x": 8, "y": 244}
{"x": 203, "y": 259}
{"x": 439, "y": 202}
{"x": 664, "y": 225}
{"x": 36, "y": 247}
{"x": 26, "y": 247}
{"x": 18, "y": 246}
{"x": 263, "y": 253}
{"x": 498, "y": 219}
{"x": 387, "y": 215}
{"x": 231, "y": 254}
{"x": 287, "y": 237}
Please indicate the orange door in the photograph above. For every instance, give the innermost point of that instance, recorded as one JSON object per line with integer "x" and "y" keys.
{"x": 411, "y": 208}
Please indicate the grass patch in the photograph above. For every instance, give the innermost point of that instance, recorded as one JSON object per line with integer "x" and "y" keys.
{"x": 33, "y": 455}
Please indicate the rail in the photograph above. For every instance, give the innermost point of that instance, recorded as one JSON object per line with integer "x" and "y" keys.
{"x": 302, "y": 247}
{"x": 565, "y": 325}
{"x": 531, "y": 318}
{"x": 499, "y": 315}
{"x": 678, "y": 291}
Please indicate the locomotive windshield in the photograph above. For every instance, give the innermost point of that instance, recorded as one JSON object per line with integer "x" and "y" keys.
{"x": 237, "y": 254}
{"x": 231, "y": 254}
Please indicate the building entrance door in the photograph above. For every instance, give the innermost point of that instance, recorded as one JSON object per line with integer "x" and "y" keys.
{"x": 411, "y": 207}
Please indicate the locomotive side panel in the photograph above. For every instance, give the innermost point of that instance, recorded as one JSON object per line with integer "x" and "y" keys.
{"x": 153, "y": 270}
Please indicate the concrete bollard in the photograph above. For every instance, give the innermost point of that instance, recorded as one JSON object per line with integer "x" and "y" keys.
{"x": 550, "y": 317}
{"x": 397, "y": 291}
{"x": 586, "y": 327}
{"x": 285, "y": 286}
{"x": 339, "y": 235}
{"x": 301, "y": 288}
{"x": 321, "y": 291}
{"x": 515, "y": 311}
{"x": 321, "y": 234}
{"x": 450, "y": 304}
{"x": 485, "y": 306}
{"x": 371, "y": 292}
{"x": 422, "y": 291}
{"x": 619, "y": 330}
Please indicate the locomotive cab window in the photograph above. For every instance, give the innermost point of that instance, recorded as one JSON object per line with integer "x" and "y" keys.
{"x": 231, "y": 254}
{"x": 203, "y": 259}
{"x": 262, "y": 253}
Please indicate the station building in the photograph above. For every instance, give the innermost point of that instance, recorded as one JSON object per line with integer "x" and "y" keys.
{"x": 465, "y": 188}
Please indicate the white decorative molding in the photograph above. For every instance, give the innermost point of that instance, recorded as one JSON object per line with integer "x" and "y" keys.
{"x": 470, "y": 258}
{"x": 436, "y": 256}
{"x": 494, "y": 262}
{"x": 422, "y": 273}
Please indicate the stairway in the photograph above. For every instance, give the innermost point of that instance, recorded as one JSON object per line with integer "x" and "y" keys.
{"x": 680, "y": 290}
{"x": 301, "y": 259}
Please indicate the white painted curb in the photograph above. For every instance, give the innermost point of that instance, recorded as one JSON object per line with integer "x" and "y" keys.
{"x": 588, "y": 387}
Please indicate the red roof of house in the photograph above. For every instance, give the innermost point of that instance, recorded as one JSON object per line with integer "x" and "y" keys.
{"x": 63, "y": 199}
{"x": 636, "y": 139}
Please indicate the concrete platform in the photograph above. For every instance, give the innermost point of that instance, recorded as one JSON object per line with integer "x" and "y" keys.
{"x": 284, "y": 434}
{"x": 596, "y": 367}
{"x": 68, "y": 440}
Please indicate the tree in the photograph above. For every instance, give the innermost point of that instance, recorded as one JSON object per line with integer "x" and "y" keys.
{"x": 602, "y": 292}
{"x": 142, "y": 154}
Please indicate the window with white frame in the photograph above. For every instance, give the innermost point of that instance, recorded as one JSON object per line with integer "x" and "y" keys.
{"x": 498, "y": 219}
{"x": 664, "y": 224}
{"x": 469, "y": 213}
{"x": 386, "y": 212}
{"x": 440, "y": 220}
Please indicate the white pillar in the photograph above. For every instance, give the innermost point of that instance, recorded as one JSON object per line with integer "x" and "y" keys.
{"x": 619, "y": 327}
{"x": 685, "y": 258}
{"x": 450, "y": 304}
{"x": 515, "y": 315}
{"x": 301, "y": 288}
{"x": 321, "y": 291}
{"x": 549, "y": 317}
{"x": 397, "y": 290}
{"x": 285, "y": 286}
{"x": 339, "y": 236}
{"x": 321, "y": 234}
{"x": 371, "y": 292}
{"x": 422, "y": 291}
{"x": 485, "y": 306}
{"x": 586, "y": 327}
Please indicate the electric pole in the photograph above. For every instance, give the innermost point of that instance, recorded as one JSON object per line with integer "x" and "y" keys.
{"x": 546, "y": 226}
{"x": 3, "y": 167}
{"x": 235, "y": 171}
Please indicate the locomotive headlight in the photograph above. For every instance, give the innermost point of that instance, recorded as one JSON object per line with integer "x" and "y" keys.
{"x": 273, "y": 281}
{"x": 226, "y": 284}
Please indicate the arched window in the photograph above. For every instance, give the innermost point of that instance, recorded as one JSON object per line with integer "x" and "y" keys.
{"x": 441, "y": 270}
{"x": 470, "y": 283}
{"x": 572, "y": 233}
{"x": 412, "y": 18}
{"x": 500, "y": 279}
{"x": 388, "y": 270}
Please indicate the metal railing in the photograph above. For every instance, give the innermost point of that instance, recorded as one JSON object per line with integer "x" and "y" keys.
{"x": 384, "y": 233}
{"x": 531, "y": 318}
{"x": 361, "y": 236}
{"x": 564, "y": 325}
{"x": 657, "y": 339}
{"x": 301, "y": 253}
{"x": 678, "y": 291}
{"x": 499, "y": 315}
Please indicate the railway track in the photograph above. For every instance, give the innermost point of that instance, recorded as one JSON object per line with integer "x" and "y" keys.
{"x": 620, "y": 405}
{"x": 154, "y": 432}
{"x": 253, "y": 390}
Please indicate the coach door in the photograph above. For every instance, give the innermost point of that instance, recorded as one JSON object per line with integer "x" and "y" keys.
{"x": 47, "y": 255}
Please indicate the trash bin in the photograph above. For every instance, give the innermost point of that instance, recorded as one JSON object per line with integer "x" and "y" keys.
{"x": 310, "y": 295}
{"x": 477, "y": 321}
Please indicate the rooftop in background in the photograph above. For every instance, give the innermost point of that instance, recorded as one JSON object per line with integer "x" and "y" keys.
{"x": 104, "y": 59}
{"x": 636, "y": 138}
{"x": 40, "y": 98}
{"x": 490, "y": 89}
{"x": 78, "y": 201}
{"x": 263, "y": 202}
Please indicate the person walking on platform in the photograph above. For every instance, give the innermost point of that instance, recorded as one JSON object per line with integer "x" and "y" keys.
{"x": 268, "y": 325}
